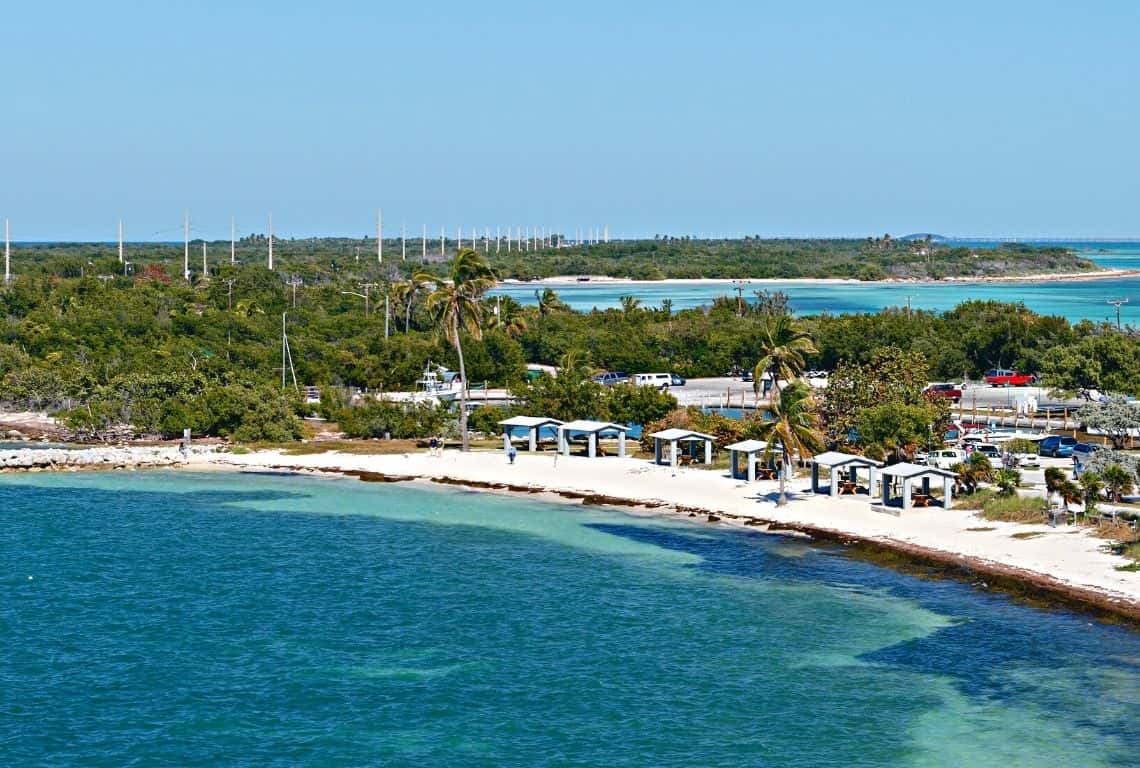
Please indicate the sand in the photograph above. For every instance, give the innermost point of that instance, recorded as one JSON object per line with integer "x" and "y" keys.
{"x": 1066, "y": 561}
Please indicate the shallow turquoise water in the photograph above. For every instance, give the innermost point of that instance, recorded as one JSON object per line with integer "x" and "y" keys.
{"x": 182, "y": 619}
{"x": 1073, "y": 299}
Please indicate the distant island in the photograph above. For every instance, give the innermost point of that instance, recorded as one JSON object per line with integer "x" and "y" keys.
{"x": 913, "y": 257}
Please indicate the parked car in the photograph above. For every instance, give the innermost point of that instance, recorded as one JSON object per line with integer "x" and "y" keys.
{"x": 989, "y": 450}
{"x": 1057, "y": 446}
{"x": 1027, "y": 460}
{"x": 943, "y": 389}
{"x": 659, "y": 380}
{"x": 1001, "y": 377}
{"x": 945, "y": 458}
{"x": 1081, "y": 451}
{"x": 609, "y": 378}
{"x": 678, "y": 381}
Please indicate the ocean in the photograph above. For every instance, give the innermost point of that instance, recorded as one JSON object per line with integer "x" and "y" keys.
{"x": 1072, "y": 299}
{"x": 209, "y": 619}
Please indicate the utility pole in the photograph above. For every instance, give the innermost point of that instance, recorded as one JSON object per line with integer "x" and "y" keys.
{"x": 423, "y": 244}
{"x": 229, "y": 281}
{"x": 205, "y": 266}
{"x": 233, "y": 240}
{"x": 7, "y": 255}
{"x": 186, "y": 248}
{"x": 379, "y": 236}
{"x": 1117, "y": 303}
{"x": 442, "y": 241}
{"x": 294, "y": 281}
{"x": 120, "y": 241}
{"x": 404, "y": 242}
{"x": 271, "y": 242}
{"x": 738, "y": 286}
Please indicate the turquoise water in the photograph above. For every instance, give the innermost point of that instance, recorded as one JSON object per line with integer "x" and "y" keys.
{"x": 207, "y": 620}
{"x": 1073, "y": 299}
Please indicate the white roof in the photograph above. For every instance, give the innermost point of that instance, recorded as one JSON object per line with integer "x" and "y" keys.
{"x": 585, "y": 425}
{"x": 906, "y": 470}
{"x": 748, "y": 446}
{"x": 838, "y": 459}
{"x": 675, "y": 433}
{"x": 529, "y": 421}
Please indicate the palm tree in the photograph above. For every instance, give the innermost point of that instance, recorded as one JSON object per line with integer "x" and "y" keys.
{"x": 509, "y": 317}
{"x": 795, "y": 426}
{"x": 549, "y": 302}
{"x": 455, "y": 305}
{"x": 418, "y": 280}
{"x": 629, "y": 304}
{"x": 784, "y": 347}
{"x": 1117, "y": 480}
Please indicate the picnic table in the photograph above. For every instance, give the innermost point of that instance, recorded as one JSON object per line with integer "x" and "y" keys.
{"x": 849, "y": 487}
{"x": 765, "y": 473}
{"x": 921, "y": 499}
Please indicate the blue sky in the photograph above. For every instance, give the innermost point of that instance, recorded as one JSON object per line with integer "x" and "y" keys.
{"x": 815, "y": 117}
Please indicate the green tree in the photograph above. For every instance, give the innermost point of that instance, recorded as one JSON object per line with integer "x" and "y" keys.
{"x": 1116, "y": 418}
{"x": 1091, "y": 485}
{"x": 895, "y": 427}
{"x": 1007, "y": 481}
{"x": 793, "y": 429}
{"x": 1118, "y": 481}
{"x": 630, "y": 404}
{"x": 784, "y": 348}
{"x": 455, "y": 305}
{"x": 570, "y": 395}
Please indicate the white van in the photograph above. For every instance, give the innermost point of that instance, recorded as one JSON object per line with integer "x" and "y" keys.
{"x": 946, "y": 458}
{"x": 659, "y": 380}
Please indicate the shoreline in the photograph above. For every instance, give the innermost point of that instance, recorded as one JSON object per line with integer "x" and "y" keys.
{"x": 1063, "y": 566}
{"x": 568, "y": 280}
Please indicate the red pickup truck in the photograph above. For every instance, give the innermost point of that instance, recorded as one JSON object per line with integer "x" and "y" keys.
{"x": 1002, "y": 377}
{"x": 941, "y": 389}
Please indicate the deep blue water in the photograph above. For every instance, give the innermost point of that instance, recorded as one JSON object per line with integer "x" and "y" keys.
{"x": 201, "y": 620}
{"x": 1073, "y": 299}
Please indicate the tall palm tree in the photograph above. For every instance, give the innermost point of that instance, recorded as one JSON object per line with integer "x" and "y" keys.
{"x": 784, "y": 346}
{"x": 418, "y": 279}
{"x": 455, "y": 305}
{"x": 549, "y": 302}
{"x": 795, "y": 427}
{"x": 508, "y": 317}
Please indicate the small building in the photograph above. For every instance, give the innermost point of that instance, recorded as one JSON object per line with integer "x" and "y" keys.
{"x": 748, "y": 449}
{"x": 675, "y": 436}
{"x": 907, "y": 474}
{"x": 593, "y": 431}
{"x": 532, "y": 424}
{"x": 844, "y": 471}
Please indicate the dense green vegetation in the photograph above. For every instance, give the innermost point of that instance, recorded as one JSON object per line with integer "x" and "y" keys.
{"x": 348, "y": 259}
{"x": 155, "y": 351}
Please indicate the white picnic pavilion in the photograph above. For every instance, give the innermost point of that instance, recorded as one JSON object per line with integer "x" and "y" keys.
{"x": 593, "y": 430}
{"x": 533, "y": 425}
{"x": 748, "y": 449}
{"x": 673, "y": 437}
{"x": 841, "y": 464}
{"x": 908, "y": 473}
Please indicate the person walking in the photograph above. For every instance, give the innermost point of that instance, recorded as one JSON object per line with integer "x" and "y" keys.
{"x": 511, "y": 453}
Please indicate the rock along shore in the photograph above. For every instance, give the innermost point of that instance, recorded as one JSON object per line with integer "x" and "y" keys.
{"x": 105, "y": 457}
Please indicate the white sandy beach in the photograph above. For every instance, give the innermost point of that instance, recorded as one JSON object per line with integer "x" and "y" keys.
{"x": 565, "y": 280}
{"x": 1060, "y": 557}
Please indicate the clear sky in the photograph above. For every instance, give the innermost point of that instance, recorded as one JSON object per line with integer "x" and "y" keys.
{"x": 711, "y": 117}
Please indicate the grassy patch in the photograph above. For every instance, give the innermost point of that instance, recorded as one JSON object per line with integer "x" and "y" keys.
{"x": 1027, "y": 535}
{"x": 1015, "y": 509}
{"x": 975, "y": 500}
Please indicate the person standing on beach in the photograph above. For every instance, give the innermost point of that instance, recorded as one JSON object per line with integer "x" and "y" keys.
{"x": 511, "y": 453}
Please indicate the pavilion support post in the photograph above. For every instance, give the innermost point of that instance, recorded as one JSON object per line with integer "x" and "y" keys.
{"x": 564, "y": 442}
{"x": 814, "y": 477}
{"x": 906, "y": 493}
{"x": 833, "y": 489}
{"x": 708, "y": 452}
{"x": 926, "y": 485}
{"x": 657, "y": 450}
{"x": 872, "y": 478}
{"x": 751, "y": 467}
{"x": 673, "y": 454}
{"x": 532, "y": 442}
{"x": 621, "y": 445}
{"x": 947, "y": 493}
{"x": 886, "y": 482}
{"x": 592, "y": 445}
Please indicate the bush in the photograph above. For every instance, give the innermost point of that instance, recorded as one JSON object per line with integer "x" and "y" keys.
{"x": 379, "y": 418}
{"x": 1016, "y": 509}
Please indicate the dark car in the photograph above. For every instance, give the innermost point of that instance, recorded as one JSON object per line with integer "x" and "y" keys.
{"x": 1082, "y": 451}
{"x": 1057, "y": 446}
{"x": 610, "y": 378}
{"x": 678, "y": 381}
